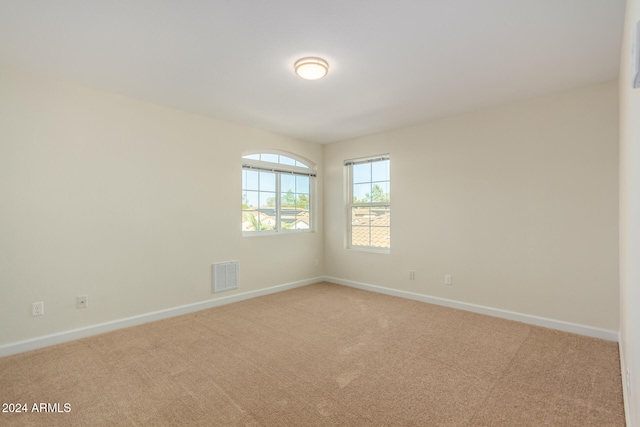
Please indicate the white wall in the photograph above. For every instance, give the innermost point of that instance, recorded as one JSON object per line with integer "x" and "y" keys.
{"x": 630, "y": 219}
{"x": 127, "y": 202}
{"x": 519, "y": 203}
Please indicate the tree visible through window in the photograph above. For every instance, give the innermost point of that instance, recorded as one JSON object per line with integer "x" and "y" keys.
{"x": 369, "y": 202}
{"x": 276, "y": 193}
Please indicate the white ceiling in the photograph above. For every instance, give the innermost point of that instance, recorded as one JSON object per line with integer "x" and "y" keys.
{"x": 392, "y": 63}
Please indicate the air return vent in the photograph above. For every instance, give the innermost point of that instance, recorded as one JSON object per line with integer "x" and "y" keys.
{"x": 225, "y": 276}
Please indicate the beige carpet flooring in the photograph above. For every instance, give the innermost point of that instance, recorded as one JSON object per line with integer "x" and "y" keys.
{"x": 321, "y": 355}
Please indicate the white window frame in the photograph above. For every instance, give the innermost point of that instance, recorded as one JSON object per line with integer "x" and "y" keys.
{"x": 280, "y": 169}
{"x": 350, "y": 203}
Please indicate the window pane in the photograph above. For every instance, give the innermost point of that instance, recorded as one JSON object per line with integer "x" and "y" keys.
{"x": 362, "y": 173}
{"x": 284, "y": 160}
{"x": 302, "y": 165}
{"x": 273, "y": 158}
{"x": 302, "y": 201}
{"x": 287, "y": 183}
{"x": 360, "y": 216}
{"x": 380, "y": 192}
{"x": 362, "y": 193}
{"x": 380, "y": 216}
{"x": 250, "y": 199}
{"x": 380, "y": 226}
{"x": 288, "y": 199}
{"x": 249, "y": 220}
{"x": 380, "y": 171}
{"x": 302, "y": 222}
{"x": 250, "y": 180}
{"x": 302, "y": 184}
{"x": 267, "y": 220}
{"x": 267, "y": 200}
{"x": 252, "y": 156}
{"x": 360, "y": 236}
{"x": 267, "y": 181}
{"x": 380, "y": 237}
{"x": 287, "y": 218}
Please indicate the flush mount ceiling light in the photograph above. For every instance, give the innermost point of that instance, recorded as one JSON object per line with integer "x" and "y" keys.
{"x": 311, "y": 68}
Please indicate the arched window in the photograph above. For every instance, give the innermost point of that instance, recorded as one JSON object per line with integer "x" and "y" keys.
{"x": 277, "y": 193}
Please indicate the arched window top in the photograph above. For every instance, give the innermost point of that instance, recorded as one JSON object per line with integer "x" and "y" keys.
{"x": 277, "y": 158}
{"x": 278, "y": 162}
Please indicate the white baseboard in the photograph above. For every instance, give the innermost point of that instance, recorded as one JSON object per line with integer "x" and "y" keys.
{"x": 74, "y": 334}
{"x": 495, "y": 312}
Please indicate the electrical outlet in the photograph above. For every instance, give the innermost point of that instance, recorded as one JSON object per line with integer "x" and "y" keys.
{"x": 412, "y": 275}
{"x": 83, "y": 301}
{"x": 37, "y": 309}
{"x": 448, "y": 280}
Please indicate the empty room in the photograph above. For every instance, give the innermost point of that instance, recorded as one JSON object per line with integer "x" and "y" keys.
{"x": 320, "y": 214}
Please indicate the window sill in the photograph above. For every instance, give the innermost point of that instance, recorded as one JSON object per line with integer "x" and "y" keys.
{"x": 370, "y": 249}
{"x": 274, "y": 233}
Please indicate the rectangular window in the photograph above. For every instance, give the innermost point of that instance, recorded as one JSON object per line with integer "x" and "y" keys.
{"x": 369, "y": 203}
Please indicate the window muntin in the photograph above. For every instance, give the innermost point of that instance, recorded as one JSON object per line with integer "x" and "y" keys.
{"x": 369, "y": 203}
{"x": 276, "y": 194}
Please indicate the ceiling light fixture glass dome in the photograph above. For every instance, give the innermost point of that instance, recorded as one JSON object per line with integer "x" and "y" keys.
{"x": 311, "y": 68}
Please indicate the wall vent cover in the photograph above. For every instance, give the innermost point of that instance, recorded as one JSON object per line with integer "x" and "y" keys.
{"x": 225, "y": 276}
